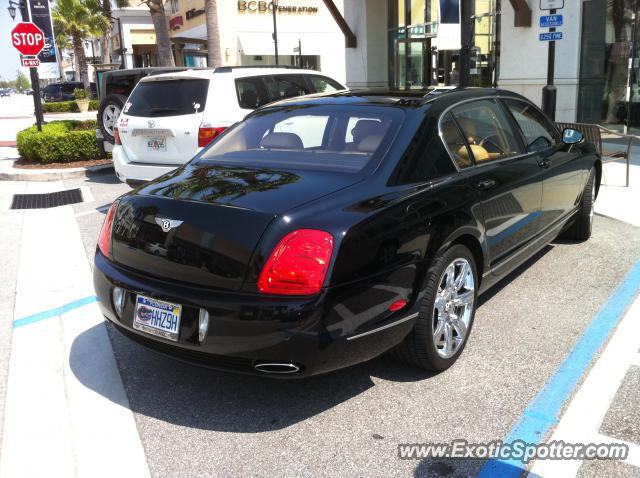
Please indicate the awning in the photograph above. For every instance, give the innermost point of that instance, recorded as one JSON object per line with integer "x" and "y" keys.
{"x": 261, "y": 43}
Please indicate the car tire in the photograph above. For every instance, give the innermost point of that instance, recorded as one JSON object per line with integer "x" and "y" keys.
{"x": 425, "y": 346}
{"x": 108, "y": 113}
{"x": 581, "y": 229}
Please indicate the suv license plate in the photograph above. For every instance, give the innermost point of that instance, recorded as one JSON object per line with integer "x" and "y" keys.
{"x": 157, "y": 144}
{"x": 157, "y": 317}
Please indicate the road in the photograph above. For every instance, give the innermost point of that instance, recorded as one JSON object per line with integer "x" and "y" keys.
{"x": 192, "y": 421}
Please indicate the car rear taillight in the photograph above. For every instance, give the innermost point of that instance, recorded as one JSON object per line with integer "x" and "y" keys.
{"x": 104, "y": 240}
{"x": 116, "y": 135}
{"x": 298, "y": 264}
{"x": 208, "y": 133}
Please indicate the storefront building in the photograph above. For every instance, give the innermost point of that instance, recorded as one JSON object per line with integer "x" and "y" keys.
{"x": 307, "y": 34}
{"x": 133, "y": 40}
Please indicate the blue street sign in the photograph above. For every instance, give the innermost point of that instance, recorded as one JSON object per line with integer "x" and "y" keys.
{"x": 551, "y": 36}
{"x": 550, "y": 21}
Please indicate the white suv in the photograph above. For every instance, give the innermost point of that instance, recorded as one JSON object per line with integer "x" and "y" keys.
{"x": 168, "y": 118}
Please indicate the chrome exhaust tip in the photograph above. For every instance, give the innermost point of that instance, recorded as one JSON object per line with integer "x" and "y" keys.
{"x": 276, "y": 367}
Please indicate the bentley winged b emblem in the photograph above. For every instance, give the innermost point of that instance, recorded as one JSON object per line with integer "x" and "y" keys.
{"x": 167, "y": 224}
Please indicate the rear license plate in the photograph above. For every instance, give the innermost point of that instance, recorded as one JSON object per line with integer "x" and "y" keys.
{"x": 157, "y": 144}
{"x": 157, "y": 317}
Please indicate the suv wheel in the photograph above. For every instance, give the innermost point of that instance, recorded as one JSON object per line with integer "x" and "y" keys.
{"x": 108, "y": 113}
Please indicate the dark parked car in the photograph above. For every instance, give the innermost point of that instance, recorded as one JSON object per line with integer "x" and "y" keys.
{"x": 323, "y": 231}
{"x": 64, "y": 91}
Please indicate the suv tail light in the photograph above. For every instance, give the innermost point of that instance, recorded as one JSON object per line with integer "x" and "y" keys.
{"x": 298, "y": 264}
{"x": 116, "y": 135}
{"x": 208, "y": 133}
{"x": 104, "y": 240}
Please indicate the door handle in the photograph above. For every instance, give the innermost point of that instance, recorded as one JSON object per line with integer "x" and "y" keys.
{"x": 545, "y": 163}
{"x": 485, "y": 184}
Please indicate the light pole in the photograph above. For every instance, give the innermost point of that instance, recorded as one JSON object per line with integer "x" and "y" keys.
{"x": 274, "y": 9}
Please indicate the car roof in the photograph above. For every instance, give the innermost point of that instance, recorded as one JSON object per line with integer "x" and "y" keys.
{"x": 407, "y": 99}
{"x": 233, "y": 72}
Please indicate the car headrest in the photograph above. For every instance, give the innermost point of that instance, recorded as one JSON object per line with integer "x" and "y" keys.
{"x": 364, "y": 128}
{"x": 281, "y": 141}
{"x": 369, "y": 144}
{"x": 249, "y": 99}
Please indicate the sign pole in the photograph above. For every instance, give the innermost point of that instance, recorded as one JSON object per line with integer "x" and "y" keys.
{"x": 33, "y": 73}
{"x": 549, "y": 92}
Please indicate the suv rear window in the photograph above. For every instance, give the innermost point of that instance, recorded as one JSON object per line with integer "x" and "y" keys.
{"x": 153, "y": 99}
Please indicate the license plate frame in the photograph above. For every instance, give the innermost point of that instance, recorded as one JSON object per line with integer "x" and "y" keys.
{"x": 152, "y": 319}
{"x": 156, "y": 143}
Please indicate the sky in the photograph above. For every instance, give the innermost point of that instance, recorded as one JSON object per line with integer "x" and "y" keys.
{"x": 9, "y": 57}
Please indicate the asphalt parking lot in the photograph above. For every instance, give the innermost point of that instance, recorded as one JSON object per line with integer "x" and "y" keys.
{"x": 197, "y": 422}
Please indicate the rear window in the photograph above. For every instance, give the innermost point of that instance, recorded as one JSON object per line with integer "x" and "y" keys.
{"x": 153, "y": 99}
{"x": 323, "y": 137}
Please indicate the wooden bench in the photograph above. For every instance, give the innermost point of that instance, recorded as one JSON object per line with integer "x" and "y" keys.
{"x": 593, "y": 134}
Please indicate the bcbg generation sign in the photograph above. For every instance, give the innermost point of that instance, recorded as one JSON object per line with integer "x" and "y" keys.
{"x": 260, "y": 6}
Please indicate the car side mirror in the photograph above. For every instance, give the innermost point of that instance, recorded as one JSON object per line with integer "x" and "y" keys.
{"x": 572, "y": 136}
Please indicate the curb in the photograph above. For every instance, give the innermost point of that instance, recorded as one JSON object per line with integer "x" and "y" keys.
{"x": 57, "y": 175}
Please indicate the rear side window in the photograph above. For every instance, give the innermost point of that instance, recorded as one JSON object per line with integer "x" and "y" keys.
{"x": 487, "y": 131}
{"x": 536, "y": 129}
{"x": 252, "y": 92}
{"x": 154, "y": 99}
{"x": 323, "y": 84}
{"x": 286, "y": 86}
{"x": 454, "y": 141}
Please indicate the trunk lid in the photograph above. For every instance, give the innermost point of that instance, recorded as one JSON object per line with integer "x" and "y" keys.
{"x": 160, "y": 121}
{"x": 219, "y": 213}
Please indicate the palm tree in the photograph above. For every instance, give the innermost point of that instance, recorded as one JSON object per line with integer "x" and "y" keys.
{"x": 79, "y": 20}
{"x": 214, "y": 57}
{"x": 159, "y": 19}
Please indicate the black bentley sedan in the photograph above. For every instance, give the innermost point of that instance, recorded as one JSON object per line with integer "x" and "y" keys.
{"x": 323, "y": 231}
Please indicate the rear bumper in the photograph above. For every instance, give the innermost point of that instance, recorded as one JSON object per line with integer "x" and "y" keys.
{"x": 246, "y": 329}
{"x": 128, "y": 170}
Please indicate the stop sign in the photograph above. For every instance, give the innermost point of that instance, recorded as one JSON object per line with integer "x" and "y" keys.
{"x": 27, "y": 38}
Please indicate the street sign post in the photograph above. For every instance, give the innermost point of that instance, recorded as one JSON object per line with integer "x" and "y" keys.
{"x": 550, "y": 21}
{"x": 28, "y": 39}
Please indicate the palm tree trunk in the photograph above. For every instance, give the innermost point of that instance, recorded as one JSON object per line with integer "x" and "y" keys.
{"x": 165, "y": 56}
{"x": 81, "y": 60}
{"x": 214, "y": 58}
{"x": 105, "y": 57}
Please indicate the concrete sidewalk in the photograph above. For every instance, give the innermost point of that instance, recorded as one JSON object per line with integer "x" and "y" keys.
{"x": 614, "y": 199}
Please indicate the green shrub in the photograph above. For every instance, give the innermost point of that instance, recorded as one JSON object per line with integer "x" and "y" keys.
{"x": 68, "y": 106}
{"x": 80, "y": 94}
{"x": 59, "y": 142}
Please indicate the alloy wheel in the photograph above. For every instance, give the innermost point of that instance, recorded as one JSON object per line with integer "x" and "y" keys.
{"x": 453, "y": 307}
{"x": 109, "y": 117}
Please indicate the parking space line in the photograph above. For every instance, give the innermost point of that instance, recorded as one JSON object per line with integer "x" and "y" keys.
{"x": 589, "y": 406}
{"x": 543, "y": 411}
{"x": 47, "y": 314}
{"x": 634, "y": 449}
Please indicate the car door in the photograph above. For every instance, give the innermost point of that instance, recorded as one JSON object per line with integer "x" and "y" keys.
{"x": 508, "y": 180}
{"x": 562, "y": 172}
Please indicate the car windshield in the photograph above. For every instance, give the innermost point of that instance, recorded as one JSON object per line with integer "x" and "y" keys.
{"x": 322, "y": 137}
{"x": 174, "y": 97}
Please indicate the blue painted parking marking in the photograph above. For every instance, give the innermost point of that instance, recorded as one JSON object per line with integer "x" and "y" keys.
{"x": 543, "y": 411}
{"x": 47, "y": 314}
